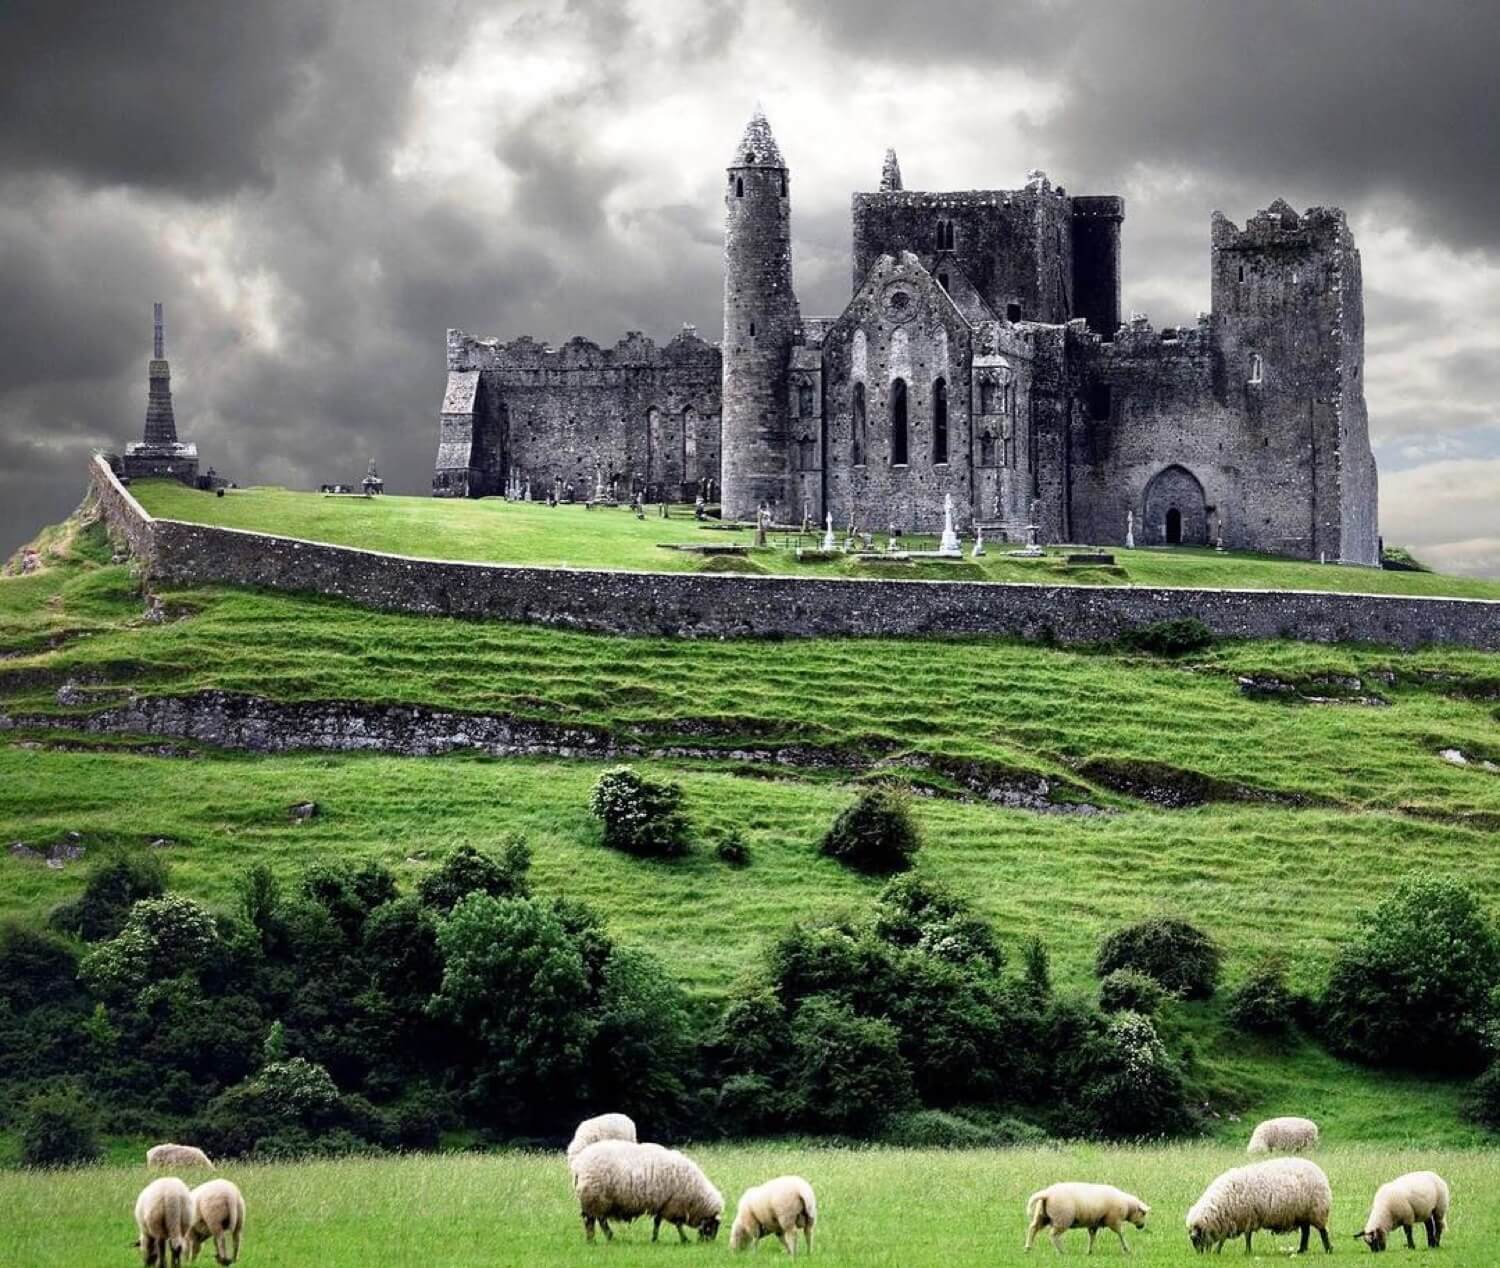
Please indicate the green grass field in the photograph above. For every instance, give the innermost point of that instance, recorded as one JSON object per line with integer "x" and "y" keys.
{"x": 493, "y": 530}
{"x": 904, "y": 1209}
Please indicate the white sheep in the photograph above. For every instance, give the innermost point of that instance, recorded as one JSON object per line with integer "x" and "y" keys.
{"x": 1090, "y": 1206}
{"x": 218, "y": 1215}
{"x": 1418, "y": 1197}
{"x": 620, "y": 1180}
{"x": 171, "y": 1155}
{"x": 602, "y": 1127}
{"x": 1283, "y": 1135}
{"x": 777, "y": 1208}
{"x": 163, "y": 1213}
{"x": 1279, "y": 1195}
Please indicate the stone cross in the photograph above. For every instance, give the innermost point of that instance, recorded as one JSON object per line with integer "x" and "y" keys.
{"x": 949, "y": 544}
{"x": 828, "y": 531}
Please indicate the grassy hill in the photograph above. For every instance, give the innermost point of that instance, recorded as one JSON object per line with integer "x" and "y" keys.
{"x": 1266, "y": 816}
{"x": 496, "y": 531}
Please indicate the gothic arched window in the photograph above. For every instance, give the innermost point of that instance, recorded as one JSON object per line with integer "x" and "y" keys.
{"x": 739, "y": 187}
{"x": 986, "y": 396}
{"x": 859, "y": 424}
{"x": 898, "y": 423}
{"x": 940, "y": 421}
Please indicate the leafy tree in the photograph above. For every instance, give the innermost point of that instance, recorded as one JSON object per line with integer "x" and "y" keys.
{"x": 58, "y": 1129}
{"x": 467, "y": 871}
{"x": 163, "y": 938}
{"x": 35, "y": 969}
{"x": 917, "y": 914}
{"x": 349, "y": 892}
{"x": 847, "y": 1071}
{"x": 113, "y": 887}
{"x": 1179, "y": 955}
{"x": 877, "y": 834}
{"x": 1413, "y": 986}
{"x": 641, "y": 816}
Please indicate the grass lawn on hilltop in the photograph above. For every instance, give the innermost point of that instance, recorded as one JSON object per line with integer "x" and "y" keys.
{"x": 495, "y": 531}
{"x": 897, "y": 1208}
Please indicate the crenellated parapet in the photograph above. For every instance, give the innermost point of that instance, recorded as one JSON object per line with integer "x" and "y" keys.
{"x": 525, "y": 354}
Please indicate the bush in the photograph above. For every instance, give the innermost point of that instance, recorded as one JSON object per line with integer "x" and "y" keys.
{"x": 1262, "y": 1004}
{"x": 733, "y": 850}
{"x": 1137, "y": 1089}
{"x": 920, "y": 915}
{"x": 1180, "y": 956}
{"x": 944, "y": 1129}
{"x": 57, "y": 1130}
{"x": 877, "y": 834}
{"x": 283, "y": 1098}
{"x": 112, "y": 889}
{"x": 1482, "y": 1104}
{"x": 1412, "y": 988}
{"x": 641, "y": 816}
{"x": 467, "y": 871}
{"x": 35, "y": 969}
{"x": 1126, "y": 990}
{"x": 1169, "y": 638}
{"x": 847, "y": 1071}
{"x": 163, "y": 938}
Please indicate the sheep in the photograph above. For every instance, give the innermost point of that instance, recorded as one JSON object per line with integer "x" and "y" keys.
{"x": 1283, "y": 1135}
{"x": 218, "y": 1214}
{"x": 603, "y": 1127}
{"x": 163, "y": 1213}
{"x": 1090, "y": 1206}
{"x": 1418, "y": 1197}
{"x": 620, "y": 1180}
{"x": 777, "y": 1208}
{"x": 1280, "y": 1195}
{"x": 170, "y": 1155}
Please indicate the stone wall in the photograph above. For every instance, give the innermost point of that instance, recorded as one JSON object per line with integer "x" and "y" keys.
{"x": 710, "y": 605}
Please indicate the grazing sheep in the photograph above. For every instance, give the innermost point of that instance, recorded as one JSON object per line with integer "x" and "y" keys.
{"x": 1279, "y": 1195}
{"x": 163, "y": 1213}
{"x": 620, "y": 1180}
{"x": 1090, "y": 1206}
{"x": 177, "y": 1156}
{"x": 218, "y": 1214}
{"x": 1418, "y": 1197}
{"x": 776, "y": 1208}
{"x": 1283, "y": 1136}
{"x": 604, "y": 1127}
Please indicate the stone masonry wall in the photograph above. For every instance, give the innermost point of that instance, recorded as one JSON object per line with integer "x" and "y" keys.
{"x": 714, "y": 605}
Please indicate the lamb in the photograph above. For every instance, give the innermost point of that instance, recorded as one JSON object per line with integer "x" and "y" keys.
{"x": 620, "y": 1180}
{"x": 603, "y": 1127}
{"x": 170, "y": 1155}
{"x": 1279, "y": 1195}
{"x": 1090, "y": 1206}
{"x": 777, "y": 1208}
{"x": 1418, "y": 1197}
{"x": 218, "y": 1214}
{"x": 1283, "y": 1135}
{"x": 163, "y": 1213}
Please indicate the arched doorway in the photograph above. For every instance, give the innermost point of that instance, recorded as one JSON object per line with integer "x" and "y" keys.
{"x": 1175, "y": 512}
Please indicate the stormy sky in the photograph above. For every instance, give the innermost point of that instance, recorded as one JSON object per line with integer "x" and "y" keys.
{"x": 318, "y": 188}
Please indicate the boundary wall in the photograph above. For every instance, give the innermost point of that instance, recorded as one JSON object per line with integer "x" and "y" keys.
{"x": 708, "y": 605}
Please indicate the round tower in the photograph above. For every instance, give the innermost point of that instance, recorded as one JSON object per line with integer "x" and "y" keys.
{"x": 760, "y": 320}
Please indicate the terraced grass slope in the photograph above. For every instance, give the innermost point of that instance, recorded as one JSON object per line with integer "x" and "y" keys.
{"x": 496, "y": 531}
{"x": 1266, "y": 809}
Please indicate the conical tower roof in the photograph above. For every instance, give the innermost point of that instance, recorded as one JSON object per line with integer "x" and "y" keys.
{"x": 758, "y": 147}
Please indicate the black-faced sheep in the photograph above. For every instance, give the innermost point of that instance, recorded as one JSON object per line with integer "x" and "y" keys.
{"x": 620, "y": 1180}
{"x": 1279, "y": 1195}
{"x": 1091, "y": 1206}
{"x": 163, "y": 1213}
{"x": 603, "y": 1127}
{"x": 777, "y": 1208}
{"x": 1283, "y": 1136}
{"x": 170, "y": 1155}
{"x": 1418, "y": 1197}
{"x": 218, "y": 1216}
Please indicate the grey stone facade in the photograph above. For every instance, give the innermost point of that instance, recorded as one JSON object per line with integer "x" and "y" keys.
{"x": 981, "y": 356}
{"x": 707, "y": 605}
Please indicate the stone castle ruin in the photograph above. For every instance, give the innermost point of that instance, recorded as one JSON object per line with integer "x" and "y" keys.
{"x": 982, "y": 358}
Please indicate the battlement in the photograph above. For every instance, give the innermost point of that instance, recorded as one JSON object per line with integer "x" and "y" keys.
{"x": 1279, "y": 225}
{"x": 1138, "y": 335}
{"x": 1098, "y": 207}
{"x": 634, "y": 351}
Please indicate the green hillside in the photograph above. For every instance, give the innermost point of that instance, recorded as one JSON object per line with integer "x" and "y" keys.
{"x": 1268, "y": 815}
{"x": 496, "y": 531}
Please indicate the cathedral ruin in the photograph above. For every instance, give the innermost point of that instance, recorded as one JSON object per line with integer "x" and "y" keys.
{"x": 980, "y": 357}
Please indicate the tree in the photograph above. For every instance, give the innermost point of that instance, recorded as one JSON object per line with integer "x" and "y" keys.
{"x": 468, "y": 871}
{"x": 58, "y": 1129}
{"x": 877, "y": 834}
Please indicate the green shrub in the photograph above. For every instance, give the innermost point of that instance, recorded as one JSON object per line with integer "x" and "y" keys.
{"x": 467, "y": 871}
{"x": 1412, "y": 987}
{"x": 1179, "y": 955}
{"x": 1128, "y": 990}
{"x": 58, "y": 1129}
{"x": 847, "y": 1071}
{"x": 1262, "y": 1004}
{"x": 945, "y": 1129}
{"x": 1482, "y": 1104}
{"x": 113, "y": 887}
{"x": 35, "y": 969}
{"x": 1169, "y": 638}
{"x": 917, "y": 914}
{"x": 163, "y": 938}
{"x": 1136, "y": 1088}
{"x": 1036, "y": 970}
{"x": 280, "y": 1100}
{"x": 877, "y": 834}
{"x": 641, "y": 816}
{"x": 734, "y": 850}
